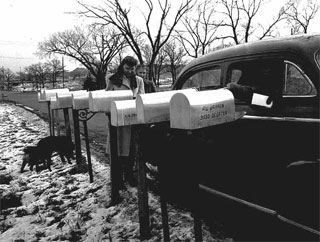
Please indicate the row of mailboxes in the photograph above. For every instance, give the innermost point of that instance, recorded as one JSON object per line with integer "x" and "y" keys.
{"x": 185, "y": 109}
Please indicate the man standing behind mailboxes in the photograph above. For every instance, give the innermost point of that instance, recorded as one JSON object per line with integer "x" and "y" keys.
{"x": 149, "y": 86}
{"x": 125, "y": 79}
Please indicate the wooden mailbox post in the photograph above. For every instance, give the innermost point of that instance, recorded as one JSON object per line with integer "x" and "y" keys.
{"x": 192, "y": 111}
{"x": 100, "y": 101}
{"x": 124, "y": 113}
{"x": 80, "y": 104}
{"x": 153, "y": 108}
{"x": 55, "y": 114}
{"x": 64, "y": 101}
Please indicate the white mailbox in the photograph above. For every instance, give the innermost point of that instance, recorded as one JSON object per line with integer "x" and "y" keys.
{"x": 64, "y": 100}
{"x": 100, "y": 101}
{"x": 154, "y": 107}
{"x": 201, "y": 109}
{"x": 41, "y": 96}
{"x": 123, "y": 113}
{"x": 45, "y": 94}
{"x": 54, "y": 103}
{"x": 80, "y": 99}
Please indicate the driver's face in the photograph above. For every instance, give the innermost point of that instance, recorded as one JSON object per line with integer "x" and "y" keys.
{"x": 129, "y": 71}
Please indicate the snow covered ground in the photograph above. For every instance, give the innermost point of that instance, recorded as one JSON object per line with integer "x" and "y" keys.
{"x": 62, "y": 205}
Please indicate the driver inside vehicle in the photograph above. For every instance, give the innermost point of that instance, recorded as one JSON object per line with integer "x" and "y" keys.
{"x": 258, "y": 79}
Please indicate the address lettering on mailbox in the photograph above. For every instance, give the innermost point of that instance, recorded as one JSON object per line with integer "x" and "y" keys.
{"x": 213, "y": 111}
{"x": 131, "y": 115}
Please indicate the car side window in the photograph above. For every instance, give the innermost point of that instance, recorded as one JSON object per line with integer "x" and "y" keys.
{"x": 204, "y": 79}
{"x": 296, "y": 82}
{"x": 254, "y": 76}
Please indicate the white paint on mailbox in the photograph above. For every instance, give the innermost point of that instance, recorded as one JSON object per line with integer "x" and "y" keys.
{"x": 80, "y": 99}
{"x": 201, "y": 109}
{"x": 45, "y": 94}
{"x": 64, "y": 100}
{"x": 154, "y": 107}
{"x": 100, "y": 101}
{"x": 123, "y": 113}
{"x": 54, "y": 103}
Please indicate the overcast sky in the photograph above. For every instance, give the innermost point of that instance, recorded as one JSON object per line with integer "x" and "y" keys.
{"x": 24, "y": 23}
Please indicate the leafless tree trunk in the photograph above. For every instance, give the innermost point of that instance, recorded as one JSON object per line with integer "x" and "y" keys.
{"x": 174, "y": 54}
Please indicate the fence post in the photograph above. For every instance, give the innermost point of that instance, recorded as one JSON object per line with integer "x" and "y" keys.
{"x": 115, "y": 166}
{"x": 49, "y": 118}
{"x": 77, "y": 138}
{"x": 164, "y": 209}
{"x": 67, "y": 122}
{"x": 85, "y": 127}
{"x": 143, "y": 205}
{"x": 57, "y": 121}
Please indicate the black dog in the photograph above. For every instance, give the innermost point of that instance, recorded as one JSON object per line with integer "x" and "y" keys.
{"x": 33, "y": 155}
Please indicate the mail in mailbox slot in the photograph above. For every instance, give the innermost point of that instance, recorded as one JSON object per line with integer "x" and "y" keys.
{"x": 201, "y": 109}
{"x": 54, "y": 103}
{"x": 123, "y": 113}
{"x": 64, "y": 100}
{"x": 80, "y": 99}
{"x": 154, "y": 107}
{"x": 100, "y": 101}
{"x": 46, "y": 94}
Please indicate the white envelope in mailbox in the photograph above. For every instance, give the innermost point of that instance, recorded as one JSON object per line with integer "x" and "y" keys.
{"x": 201, "y": 109}
{"x": 46, "y": 94}
{"x": 80, "y": 99}
{"x": 123, "y": 113}
{"x": 154, "y": 107}
{"x": 100, "y": 101}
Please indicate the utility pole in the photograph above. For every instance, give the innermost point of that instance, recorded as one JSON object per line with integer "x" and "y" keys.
{"x": 21, "y": 80}
{"x": 62, "y": 72}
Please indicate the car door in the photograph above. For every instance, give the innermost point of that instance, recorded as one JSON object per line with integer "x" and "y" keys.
{"x": 283, "y": 138}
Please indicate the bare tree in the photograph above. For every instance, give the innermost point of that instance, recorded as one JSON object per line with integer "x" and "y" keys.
{"x": 174, "y": 55}
{"x": 7, "y": 76}
{"x": 119, "y": 16}
{"x": 240, "y": 15}
{"x": 158, "y": 67}
{"x": 55, "y": 68}
{"x": 300, "y": 14}
{"x": 94, "y": 47}
{"x": 199, "y": 31}
{"x": 37, "y": 73}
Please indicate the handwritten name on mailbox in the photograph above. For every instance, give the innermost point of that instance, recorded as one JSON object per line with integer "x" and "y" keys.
{"x": 45, "y": 94}
{"x": 100, "y": 101}
{"x": 154, "y": 107}
{"x": 123, "y": 113}
{"x": 201, "y": 109}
